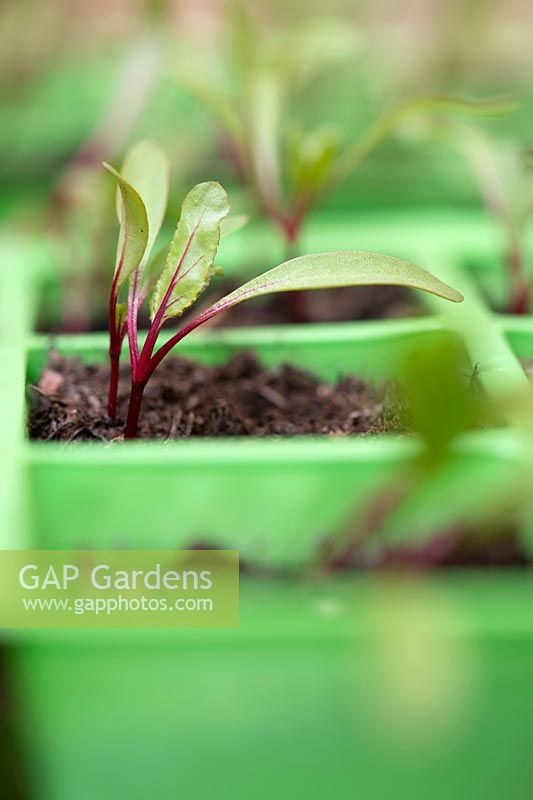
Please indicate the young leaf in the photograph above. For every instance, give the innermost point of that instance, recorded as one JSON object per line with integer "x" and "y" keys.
{"x": 388, "y": 123}
{"x": 133, "y": 236}
{"x": 216, "y": 102}
{"x": 344, "y": 268}
{"x": 308, "y": 50}
{"x": 265, "y": 103}
{"x": 311, "y": 157}
{"x": 188, "y": 266}
{"x": 146, "y": 168}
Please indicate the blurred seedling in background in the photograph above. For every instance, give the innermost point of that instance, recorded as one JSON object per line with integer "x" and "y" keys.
{"x": 176, "y": 277}
{"x": 289, "y": 169}
{"x": 503, "y": 171}
{"x": 441, "y": 397}
{"x": 79, "y": 204}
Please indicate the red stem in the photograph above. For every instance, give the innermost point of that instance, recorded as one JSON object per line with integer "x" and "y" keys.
{"x": 181, "y": 334}
{"x": 134, "y": 409}
{"x": 146, "y": 368}
{"x": 520, "y": 300}
{"x": 141, "y": 368}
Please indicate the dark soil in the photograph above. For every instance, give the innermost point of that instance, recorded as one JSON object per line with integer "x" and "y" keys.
{"x": 185, "y": 399}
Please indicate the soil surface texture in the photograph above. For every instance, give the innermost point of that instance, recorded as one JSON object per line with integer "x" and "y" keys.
{"x": 186, "y": 399}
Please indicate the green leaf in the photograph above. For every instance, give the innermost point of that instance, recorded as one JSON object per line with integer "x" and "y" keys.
{"x": 217, "y": 103}
{"x": 390, "y": 122}
{"x": 146, "y": 168}
{"x": 461, "y": 105}
{"x": 311, "y": 157}
{"x": 232, "y": 224}
{"x": 308, "y": 50}
{"x": 188, "y": 268}
{"x": 133, "y": 236}
{"x": 265, "y": 104}
{"x": 501, "y": 172}
{"x": 343, "y": 268}
{"x": 155, "y": 266}
{"x": 121, "y": 313}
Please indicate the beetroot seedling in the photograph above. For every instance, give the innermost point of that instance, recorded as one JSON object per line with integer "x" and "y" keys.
{"x": 292, "y": 171}
{"x": 172, "y": 283}
{"x": 503, "y": 172}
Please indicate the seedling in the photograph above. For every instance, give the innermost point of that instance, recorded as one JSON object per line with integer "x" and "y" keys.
{"x": 291, "y": 172}
{"x": 174, "y": 279}
{"x": 503, "y": 172}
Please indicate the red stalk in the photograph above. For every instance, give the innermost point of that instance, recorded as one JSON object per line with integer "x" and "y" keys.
{"x": 134, "y": 409}
{"x": 141, "y": 368}
{"x": 147, "y": 363}
{"x": 520, "y": 301}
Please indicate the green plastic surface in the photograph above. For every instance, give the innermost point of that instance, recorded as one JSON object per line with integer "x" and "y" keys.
{"x": 356, "y": 687}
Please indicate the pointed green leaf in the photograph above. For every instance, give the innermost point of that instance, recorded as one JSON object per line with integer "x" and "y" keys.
{"x": 133, "y": 236}
{"x": 146, "y": 168}
{"x": 214, "y": 98}
{"x": 308, "y": 50}
{"x": 193, "y": 249}
{"x": 343, "y": 268}
{"x": 265, "y": 103}
{"x": 389, "y": 123}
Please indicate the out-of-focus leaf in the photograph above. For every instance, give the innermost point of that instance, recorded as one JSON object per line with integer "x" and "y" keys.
{"x": 390, "y": 122}
{"x": 265, "y": 108}
{"x": 146, "y": 168}
{"x": 302, "y": 54}
{"x": 133, "y": 236}
{"x": 310, "y": 158}
{"x": 218, "y": 104}
{"x": 461, "y": 105}
{"x": 343, "y": 268}
{"x": 232, "y": 224}
{"x": 501, "y": 172}
{"x": 188, "y": 267}
{"x": 443, "y": 395}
